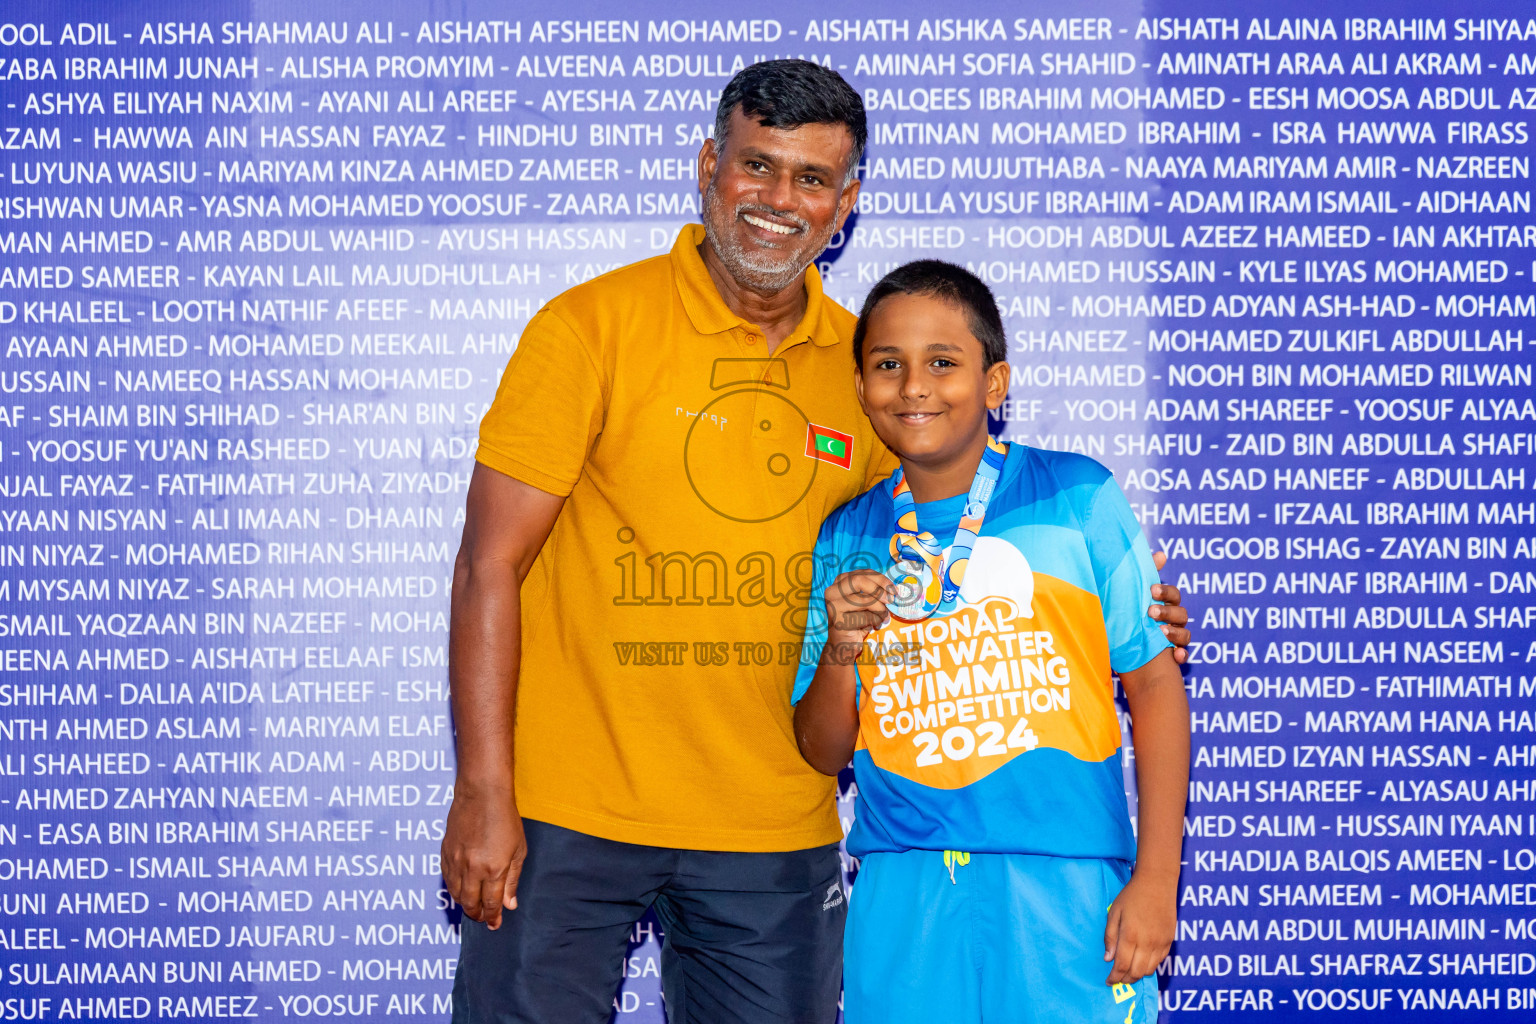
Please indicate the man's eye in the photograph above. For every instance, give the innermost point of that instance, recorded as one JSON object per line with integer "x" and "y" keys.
{"x": 811, "y": 180}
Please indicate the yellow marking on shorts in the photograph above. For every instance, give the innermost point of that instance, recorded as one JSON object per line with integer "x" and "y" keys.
{"x": 1122, "y": 992}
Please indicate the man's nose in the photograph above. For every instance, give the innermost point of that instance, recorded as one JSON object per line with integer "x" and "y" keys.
{"x": 778, "y": 192}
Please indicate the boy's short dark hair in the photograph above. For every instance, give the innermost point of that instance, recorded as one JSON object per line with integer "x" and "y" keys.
{"x": 948, "y": 283}
{"x": 791, "y": 93}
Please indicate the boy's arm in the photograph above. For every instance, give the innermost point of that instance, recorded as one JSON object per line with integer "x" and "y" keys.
{"x": 826, "y": 716}
{"x": 826, "y": 720}
{"x": 1142, "y": 919}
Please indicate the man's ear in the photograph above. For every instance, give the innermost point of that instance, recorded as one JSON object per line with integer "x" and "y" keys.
{"x": 999, "y": 376}
{"x": 709, "y": 157}
{"x": 846, "y": 201}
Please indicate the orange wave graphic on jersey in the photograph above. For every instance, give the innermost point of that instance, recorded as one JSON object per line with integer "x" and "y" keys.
{"x": 950, "y": 700}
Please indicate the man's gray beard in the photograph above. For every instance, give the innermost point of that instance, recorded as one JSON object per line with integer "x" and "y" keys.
{"x": 758, "y": 273}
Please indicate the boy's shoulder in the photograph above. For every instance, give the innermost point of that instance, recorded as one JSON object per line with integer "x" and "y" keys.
{"x": 1070, "y": 469}
{"x": 867, "y": 515}
{"x": 1043, "y": 473}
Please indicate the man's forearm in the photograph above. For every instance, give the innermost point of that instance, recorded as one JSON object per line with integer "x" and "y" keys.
{"x": 484, "y": 646}
{"x": 506, "y": 523}
{"x": 1160, "y": 722}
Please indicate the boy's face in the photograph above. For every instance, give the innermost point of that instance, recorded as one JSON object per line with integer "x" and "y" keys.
{"x": 924, "y": 382}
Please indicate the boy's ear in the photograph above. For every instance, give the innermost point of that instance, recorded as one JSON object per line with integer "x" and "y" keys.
{"x": 858, "y": 386}
{"x": 998, "y": 378}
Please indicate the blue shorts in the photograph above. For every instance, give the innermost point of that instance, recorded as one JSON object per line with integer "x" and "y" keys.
{"x": 1015, "y": 938}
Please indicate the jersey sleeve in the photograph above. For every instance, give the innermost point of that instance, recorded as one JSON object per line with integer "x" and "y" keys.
{"x": 548, "y": 411}
{"x": 881, "y": 466}
{"x": 1122, "y": 565}
{"x": 824, "y": 559}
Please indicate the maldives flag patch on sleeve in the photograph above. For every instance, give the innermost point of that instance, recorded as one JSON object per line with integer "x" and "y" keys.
{"x": 829, "y": 445}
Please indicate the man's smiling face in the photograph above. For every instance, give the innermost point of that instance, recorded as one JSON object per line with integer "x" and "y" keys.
{"x": 774, "y": 197}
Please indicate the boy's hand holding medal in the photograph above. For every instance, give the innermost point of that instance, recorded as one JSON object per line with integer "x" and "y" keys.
{"x": 856, "y": 606}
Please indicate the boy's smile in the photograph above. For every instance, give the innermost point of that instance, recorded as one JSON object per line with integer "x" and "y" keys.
{"x": 926, "y": 388}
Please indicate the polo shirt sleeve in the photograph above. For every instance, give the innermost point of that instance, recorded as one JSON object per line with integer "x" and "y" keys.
{"x": 824, "y": 570}
{"x": 1122, "y": 565}
{"x": 549, "y": 408}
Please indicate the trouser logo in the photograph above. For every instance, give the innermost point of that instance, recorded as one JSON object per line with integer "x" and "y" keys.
{"x": 834, "y": 897}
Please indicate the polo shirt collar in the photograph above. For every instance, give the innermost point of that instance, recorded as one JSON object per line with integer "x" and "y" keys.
{"x": 708, "y": 311}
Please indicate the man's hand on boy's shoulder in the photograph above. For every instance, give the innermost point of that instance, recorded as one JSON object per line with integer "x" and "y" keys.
{"x": 1139, "y": 930}
{"x": 1169, "y": 614}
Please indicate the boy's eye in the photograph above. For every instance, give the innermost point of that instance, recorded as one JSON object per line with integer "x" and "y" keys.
{"x": 943, "y": 363}
{"x": 887, "y": 364}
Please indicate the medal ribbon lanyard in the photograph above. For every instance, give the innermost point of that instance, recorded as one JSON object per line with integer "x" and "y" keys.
{"x": 928, "y": 577}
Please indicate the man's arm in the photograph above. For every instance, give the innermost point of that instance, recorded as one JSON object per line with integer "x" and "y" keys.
{"x": 1169, "y": 614}
{"x": 505, "y": 524}
{"x": 1142, "y": 920}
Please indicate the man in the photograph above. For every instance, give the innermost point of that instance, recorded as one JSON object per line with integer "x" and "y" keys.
{"x": 633, "y": 580}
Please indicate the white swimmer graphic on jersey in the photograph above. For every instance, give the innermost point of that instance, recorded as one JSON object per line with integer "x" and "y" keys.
{"x": 998, "y": 569}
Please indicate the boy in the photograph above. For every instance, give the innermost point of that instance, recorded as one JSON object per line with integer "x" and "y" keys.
{"x": 970, "y": 684}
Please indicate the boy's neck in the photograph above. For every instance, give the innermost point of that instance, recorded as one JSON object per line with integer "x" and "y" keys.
{"x": 935, "y": 482}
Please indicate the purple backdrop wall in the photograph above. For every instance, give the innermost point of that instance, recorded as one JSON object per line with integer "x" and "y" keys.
{"x": 261, "y": 271}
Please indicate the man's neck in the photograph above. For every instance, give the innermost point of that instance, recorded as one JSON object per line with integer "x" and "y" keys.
{"x": 776, "y": 314}
{"x": 935, "y": 482}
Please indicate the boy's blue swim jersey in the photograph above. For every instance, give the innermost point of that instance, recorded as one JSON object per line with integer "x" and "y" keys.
{"x": 993, "y": 729}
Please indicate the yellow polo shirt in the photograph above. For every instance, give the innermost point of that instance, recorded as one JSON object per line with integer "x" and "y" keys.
{"x": 663, "y": 619}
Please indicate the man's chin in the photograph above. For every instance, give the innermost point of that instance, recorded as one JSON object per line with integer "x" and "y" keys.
{"x": 760, "y": 277}
{"x": 766, "y": 277}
